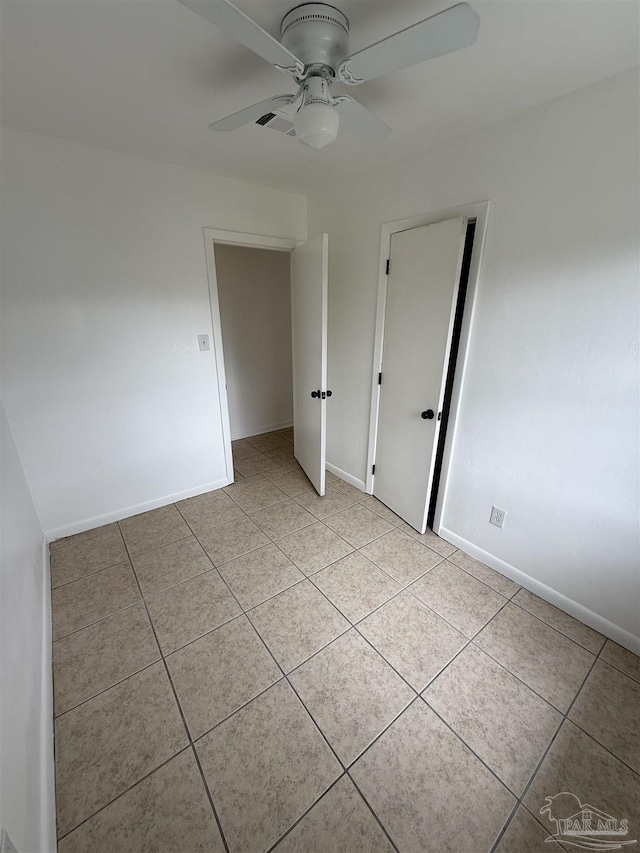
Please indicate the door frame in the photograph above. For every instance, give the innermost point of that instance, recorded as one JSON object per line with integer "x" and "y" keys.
{"x": 249, "y": 241}
{"x": 480, "y": 212}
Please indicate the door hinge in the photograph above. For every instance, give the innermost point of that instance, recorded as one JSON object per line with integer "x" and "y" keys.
{"x": 388, "y": 265}
{"x": 373, "y": 469}
{"x": 380, "y": 379}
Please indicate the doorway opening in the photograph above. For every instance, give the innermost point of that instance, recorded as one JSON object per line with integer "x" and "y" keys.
{"x": 429, "y": 269}
{"x": 254, "y": 293}
{"x": 274, "y": 328}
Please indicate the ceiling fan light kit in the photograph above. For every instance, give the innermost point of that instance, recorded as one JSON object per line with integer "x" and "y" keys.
{"x": 314, "y": 50}
{"x": 317, "y": 121}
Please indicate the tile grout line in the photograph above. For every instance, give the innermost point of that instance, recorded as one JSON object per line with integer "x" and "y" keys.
{"x": 370, "y": 807}
{"x": 355, "y": 626}
{"x": 536, "y": 770}
{"x": 182, "y": 716}
{"x": 92, "y": 574}
{"x": 122, "y": 793}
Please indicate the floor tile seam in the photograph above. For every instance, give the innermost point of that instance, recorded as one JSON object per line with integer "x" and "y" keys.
{"x": 165, "y": 655}
{"x": 373, "y": 812}
{"x": 155, "y": 547}
{"x": 305, "y": 813}
{"x": 275, "y": 468}
{"x": 605, "y": 747}
{"x": 195, "y": 754}
{"x": 462, "y": 569}
{"x": 124, "y": 562}
{"x": 119, "y": 796}
{"x": 480, "y": 630}
{"x": 266, "y": 506}
{"x": 108, "y": 687}
{"x": 387, "y": 532}
{"x": 407, "y": 589}
{"x": 294, "y": 495}
{"x": 179, "y": 708}
{"x": 297, "y": 582}
{"x": 281, "y": 536}
{"x": 514, "y": 675}
{"x": 507, "y": 598}
{"x": 196, "y": 740}
{"x": 332, "y": 563}
{"x": 351, "y": 622}
{"x": 321, "y": 521}
{"x": 543, "y": 757}
{"x": 493, "y": 772}
{"x": 317, "y": 517}
{"x": 209, "y": 527}
{"x": 149, "y": 596}
{"x": 184, "y": 723}
{"x": 448, "y": 621}
{"x": 354, "y": 627}
{"x": 389, "y": 575}
{"x": 218, "y": 566}
{"x": 310, "y": 657}
{"x": 557, "y": 630}
{"x": 286, "y": 677}
{"x": 424, "y": 544}
{"x": 391, "y": 598}
{"x": 613, "y": 665}
{"x": 60, "y": 548}
{"x": 73, "y": 541}
{"x": 97, "y": 621}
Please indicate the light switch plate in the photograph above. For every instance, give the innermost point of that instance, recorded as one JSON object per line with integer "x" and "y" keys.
{"x": 203, "y": 343}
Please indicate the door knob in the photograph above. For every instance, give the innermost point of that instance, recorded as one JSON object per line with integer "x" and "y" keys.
{"x": 428, "y": 415}
{"x": 315, "y": 393}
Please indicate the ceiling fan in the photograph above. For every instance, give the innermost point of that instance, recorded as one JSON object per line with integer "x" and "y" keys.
{"x": 314, "y": 50}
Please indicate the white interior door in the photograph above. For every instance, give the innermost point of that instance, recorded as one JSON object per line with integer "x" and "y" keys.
{"x": 422, "y": 289}
{"x": 309, "y": 294}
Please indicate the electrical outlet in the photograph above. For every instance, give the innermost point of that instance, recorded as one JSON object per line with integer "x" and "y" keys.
{"x": 497, "y": 516}
{"x": 203, "y": 343}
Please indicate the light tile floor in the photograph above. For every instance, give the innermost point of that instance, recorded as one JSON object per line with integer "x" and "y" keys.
{"x": 259, "y": 668}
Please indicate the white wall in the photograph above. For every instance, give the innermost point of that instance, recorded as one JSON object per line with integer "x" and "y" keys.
{"x": 549, "y": 409}
{"x": 27, "y": 809}
{"x": 113, "y": 407}
{"x": 254, "y": 292}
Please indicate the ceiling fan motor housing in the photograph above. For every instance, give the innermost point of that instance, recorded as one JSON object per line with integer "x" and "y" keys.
{"x": 318, "y": 34}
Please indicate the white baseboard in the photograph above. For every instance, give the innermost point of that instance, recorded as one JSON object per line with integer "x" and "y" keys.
{"x": 573, "y": 608}
{"x": 47, "y": 772}
{"x": 249, "y": 433}
{"x": 125, "y": 512}
{"x": 348, "y": 478}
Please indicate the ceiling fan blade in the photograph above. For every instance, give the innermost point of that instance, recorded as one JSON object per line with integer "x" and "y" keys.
{"x": 445, "y": 32}
{"x": 252, "y": 113}
{"x": 235, "y": 23}
{"x": 358, "y": 120}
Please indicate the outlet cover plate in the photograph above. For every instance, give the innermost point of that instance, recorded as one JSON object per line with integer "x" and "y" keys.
{"x": 497, "y": 516}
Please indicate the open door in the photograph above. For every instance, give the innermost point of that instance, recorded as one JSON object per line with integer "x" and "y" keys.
{"x": 309, "y": 295}
{"x": 422, "y": 291}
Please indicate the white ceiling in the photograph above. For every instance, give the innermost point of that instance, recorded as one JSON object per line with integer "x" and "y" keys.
{"x": 147, "y": 77}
